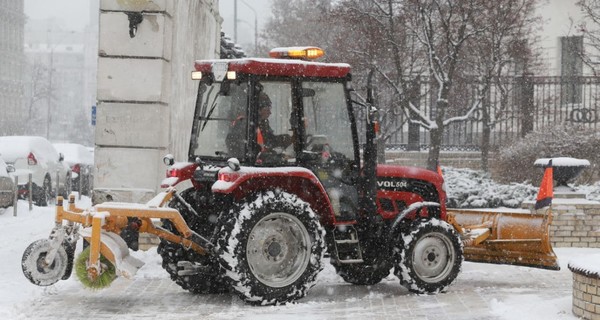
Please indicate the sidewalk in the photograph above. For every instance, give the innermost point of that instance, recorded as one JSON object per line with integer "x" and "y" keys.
{"x": 482, "y": 291}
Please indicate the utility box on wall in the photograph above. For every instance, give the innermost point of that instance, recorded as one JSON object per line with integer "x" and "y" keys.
{"x": 145, "y": 95}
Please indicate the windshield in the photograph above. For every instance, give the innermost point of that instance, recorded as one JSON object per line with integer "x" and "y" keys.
{"x": 220, "y": 105}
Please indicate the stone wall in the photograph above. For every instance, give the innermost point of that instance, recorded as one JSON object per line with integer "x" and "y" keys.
{"x": 576, "y": 223}
{"x": 586, "y": 295}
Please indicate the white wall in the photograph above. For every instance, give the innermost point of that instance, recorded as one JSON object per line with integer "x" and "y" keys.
{"x": 559, "y": 19}
{"x": 145, "y": 94}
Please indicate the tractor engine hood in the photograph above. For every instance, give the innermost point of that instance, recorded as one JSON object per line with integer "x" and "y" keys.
{"x": 393, "y": 171}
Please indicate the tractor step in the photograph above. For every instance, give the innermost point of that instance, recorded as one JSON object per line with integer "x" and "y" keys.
{"x": 347, "y": 245}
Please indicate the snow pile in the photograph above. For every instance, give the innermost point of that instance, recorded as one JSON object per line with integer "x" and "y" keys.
{"x": 592, "y": 192}
{"x": 590, "y": 265}
{"x": 563, "y": 162}
{"x": 468, "y": 188}
{"x": 75, "y": 153}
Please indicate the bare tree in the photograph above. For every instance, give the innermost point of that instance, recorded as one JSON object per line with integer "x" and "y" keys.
{"x": 443, "y": 28}
{"x": 505, "y": 42}
{"x": 369, "y": 35}
{"x": 373, "y": 37}
{"x": 40, "y": 86}
{"x": 406, "y": 43}
{"x": 297, "y": 22}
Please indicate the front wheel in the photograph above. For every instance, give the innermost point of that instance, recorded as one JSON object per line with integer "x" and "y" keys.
{"x": 271, "y": 248}
{"x": 428, "y": 256}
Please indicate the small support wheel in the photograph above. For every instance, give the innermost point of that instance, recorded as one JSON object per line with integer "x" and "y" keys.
{"x": 37, "y": 270}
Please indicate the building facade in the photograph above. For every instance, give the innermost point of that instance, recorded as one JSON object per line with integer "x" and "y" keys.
{"x": 561, "y": 39}
{"x": 56, "y": 77}
{"x": 12, "y": 64}
{"x": 145, "y": 97}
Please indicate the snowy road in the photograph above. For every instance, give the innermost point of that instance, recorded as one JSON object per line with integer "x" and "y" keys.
{"x": 482, "y": 291}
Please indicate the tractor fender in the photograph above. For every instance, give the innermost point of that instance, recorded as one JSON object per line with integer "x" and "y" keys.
{"x": 295, "y": 180}
{"x": 179, "y": 172}
{"x": 396, "y": 225}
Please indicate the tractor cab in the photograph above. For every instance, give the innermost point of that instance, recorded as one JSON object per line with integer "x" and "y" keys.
{"x": 284, "y": 111}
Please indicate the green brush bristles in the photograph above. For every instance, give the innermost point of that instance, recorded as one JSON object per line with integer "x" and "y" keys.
{"x": 103, "y": 280}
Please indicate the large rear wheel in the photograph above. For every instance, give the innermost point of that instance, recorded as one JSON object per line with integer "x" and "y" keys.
{"x": 428, "y": 256}
{"x": 206, "y": 276}
{"x": 271, "y": 248}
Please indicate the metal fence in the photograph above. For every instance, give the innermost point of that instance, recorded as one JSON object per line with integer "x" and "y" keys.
{"x": 513, "y": 107}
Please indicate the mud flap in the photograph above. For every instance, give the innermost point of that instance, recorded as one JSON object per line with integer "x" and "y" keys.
{"x": 115, "y": 249}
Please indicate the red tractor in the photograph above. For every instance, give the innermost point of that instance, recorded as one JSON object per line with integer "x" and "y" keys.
{"x": 298, "y": 185}
{"x": 275, "y": 182}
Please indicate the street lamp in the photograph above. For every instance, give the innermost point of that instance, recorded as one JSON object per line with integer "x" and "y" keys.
{"x": 52, "y": 45}
{"x": 255, "y": 24}
{"x": 50, "y": 93}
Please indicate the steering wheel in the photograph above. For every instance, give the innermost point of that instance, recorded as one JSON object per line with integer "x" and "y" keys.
{"x": 316, "y": 143}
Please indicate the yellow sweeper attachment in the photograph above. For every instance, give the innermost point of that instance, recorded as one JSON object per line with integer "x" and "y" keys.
{"x": 48, "y": 260}
{"x": 516, "y": 238}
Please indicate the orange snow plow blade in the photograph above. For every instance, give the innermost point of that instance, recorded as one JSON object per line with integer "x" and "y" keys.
{"x": 506, "y": 237}
{"x": 515, "y": 238}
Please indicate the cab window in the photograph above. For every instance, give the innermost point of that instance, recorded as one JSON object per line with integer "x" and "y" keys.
{"x": 326, "y": 119}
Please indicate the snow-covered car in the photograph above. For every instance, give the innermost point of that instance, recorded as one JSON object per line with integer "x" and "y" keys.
{"x": 81, "y": 161}
{"x": 36, "y": 155}
{"x": 7, "y": 185}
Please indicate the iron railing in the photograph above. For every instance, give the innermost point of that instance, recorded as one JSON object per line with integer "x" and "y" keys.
{"x": 512, "y": 107}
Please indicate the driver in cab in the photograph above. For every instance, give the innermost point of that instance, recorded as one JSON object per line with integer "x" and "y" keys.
{"x": 264, "y": 134}
{"x": 266, "y": 139}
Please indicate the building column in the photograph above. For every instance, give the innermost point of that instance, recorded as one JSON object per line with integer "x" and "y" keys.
{"x": 145, "y": 94}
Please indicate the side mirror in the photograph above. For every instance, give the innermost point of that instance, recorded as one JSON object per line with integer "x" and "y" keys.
{"x": 61, "y": 157}
{"x": 233, "y": 164}
{"x": 10, "y": 168}
{"x": 168, "y": 159}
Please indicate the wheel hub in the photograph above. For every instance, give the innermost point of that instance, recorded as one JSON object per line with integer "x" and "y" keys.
{"x": 278, "y": 249}
{"x": 274, "y": 249}
{"x": 42, "y": 265}
{"x": 433, "y": 257}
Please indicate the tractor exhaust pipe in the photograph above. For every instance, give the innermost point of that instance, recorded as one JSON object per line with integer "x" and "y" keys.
{"x": 369, "y": 184}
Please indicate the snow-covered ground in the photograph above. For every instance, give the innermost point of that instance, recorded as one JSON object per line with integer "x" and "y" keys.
{"x": 482, "y": 291}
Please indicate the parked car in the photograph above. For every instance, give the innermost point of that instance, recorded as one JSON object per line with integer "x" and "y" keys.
{"x": 37, "y": 156}
{"x": 7, "y": 185}
{"x": 81, "y": 161}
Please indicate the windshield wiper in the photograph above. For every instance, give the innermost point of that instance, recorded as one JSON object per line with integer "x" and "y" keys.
{"x": 203, "y": 109}
{"x": 212, "y": 108}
